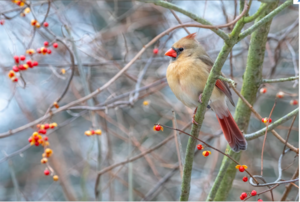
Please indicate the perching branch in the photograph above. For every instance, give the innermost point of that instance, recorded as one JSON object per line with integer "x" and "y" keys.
{"x": 280, "y": 80}
{"x": 215, "y": 28}
{"x": 280, "y": 121}
{"x": 265, "y": 19}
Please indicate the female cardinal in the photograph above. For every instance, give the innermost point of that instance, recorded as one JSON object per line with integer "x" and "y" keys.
{"x": 187, "y": 75}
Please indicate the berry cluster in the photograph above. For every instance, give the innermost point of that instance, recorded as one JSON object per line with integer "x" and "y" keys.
{"x": 279, "y": 95}
{"x": 36, "y": 139}
{"x": 45, "y": 49}
{"x": 244, "y": 195}
{"x": 19, "y": 2}
{"x": 265, "y": 120}
{"x": 158, "y": 128}
{"x": 21, "y": 65}
{"x": 93, "y": 132}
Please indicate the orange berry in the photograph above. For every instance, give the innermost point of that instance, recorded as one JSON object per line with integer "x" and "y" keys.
{"x": 55, "y": 178}
{"x": 48, "y": 151}
{"x": 33, "y": 22}
{"x": 88, "y": 133}
{"x": 98, "y": 132}
{"x": 44, "y": 160}
{"x": 280, "y": 94}
{"x": 206, "y": 153}
{"x": 37, "y": 25}
{"x": 11, "y": 74}
{"x": 55, "y": 104}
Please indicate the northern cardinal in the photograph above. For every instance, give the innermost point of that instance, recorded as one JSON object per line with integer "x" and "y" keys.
{"x": 187, "y": 74}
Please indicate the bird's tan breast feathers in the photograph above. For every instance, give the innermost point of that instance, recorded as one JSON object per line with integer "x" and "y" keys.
{"x": 187, "y": 79}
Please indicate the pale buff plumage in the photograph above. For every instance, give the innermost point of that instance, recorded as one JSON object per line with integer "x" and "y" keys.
{"x": 187, "y": 74}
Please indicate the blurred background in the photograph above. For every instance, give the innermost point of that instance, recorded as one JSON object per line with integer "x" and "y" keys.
{"x": 103, "y": 37}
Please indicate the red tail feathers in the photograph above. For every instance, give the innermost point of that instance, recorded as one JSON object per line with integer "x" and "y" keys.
{"x": 232, "y": 133}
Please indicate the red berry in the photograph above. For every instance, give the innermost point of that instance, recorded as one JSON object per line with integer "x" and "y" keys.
{"x": 280, "y": 94}
{"x": 42, "y": 131}
{"x": 21, "y": 67}
{"x": 49, "y": 51}
{"x": 29, "y": 63}
{"x": 157, "y": 127}
{"x": 30, "y": 139}
{"x": 46, "y": 172}
{"x": 263, "y": 90}
{"x": 55, "y": 45}
{"x": 16, "y": 59}
{"x": 293, "y": 102}
{"x": 22, "y": 57}
{"x": 241, "y": 169}
{"x": 46, "y": 43}
{"x": 93, "y": 132}
{"x": 46, "y": 126}
{"x": 36, "y": 138}
{"x": 46, "y": 24}
{"x": 206, "y": 153}
{"x": 2, "y": 22}
{"x": 270, "y": 120}
{"x": 45, "y": 50}
{"x": 253, "y": 193}
{"x": 15, "y": 79}
{"x": 259, "y": 200}
{"x": 241, "y": 197}
{"x": 36, "y": 143}
{"x": 155, "y": 51}
{"x": 244, "y": 194}
{"x": 35, "y": 63}
{"x": 15, "y": 69}
{"x": 46, "y": 138}
{"x": 245, "y": 179}
{"x": 38, "y": 51}
{"x": 199, "y": 147}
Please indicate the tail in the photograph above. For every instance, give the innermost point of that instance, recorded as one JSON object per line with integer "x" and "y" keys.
{"x": 232, "y": 133}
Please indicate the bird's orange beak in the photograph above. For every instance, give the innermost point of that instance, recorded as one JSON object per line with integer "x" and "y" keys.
{"x": 171, "y": 53}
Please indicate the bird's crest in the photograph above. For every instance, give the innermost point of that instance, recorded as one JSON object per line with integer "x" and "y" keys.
{"x": 191, "y": 36}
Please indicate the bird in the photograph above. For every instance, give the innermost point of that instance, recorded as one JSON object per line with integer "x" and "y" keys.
{"x": 187, "y": 74}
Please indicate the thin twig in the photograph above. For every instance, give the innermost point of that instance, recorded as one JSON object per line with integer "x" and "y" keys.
{"x": 264, "y": 142}
{"x": 211, "y": 148}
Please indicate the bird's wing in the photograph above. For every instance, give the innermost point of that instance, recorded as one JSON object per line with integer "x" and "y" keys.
{"x": 225, "y": 89}
{"x": 219, "y": 84}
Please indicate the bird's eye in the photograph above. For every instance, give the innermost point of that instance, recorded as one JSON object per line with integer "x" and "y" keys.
{"x": 180, "y": 49}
